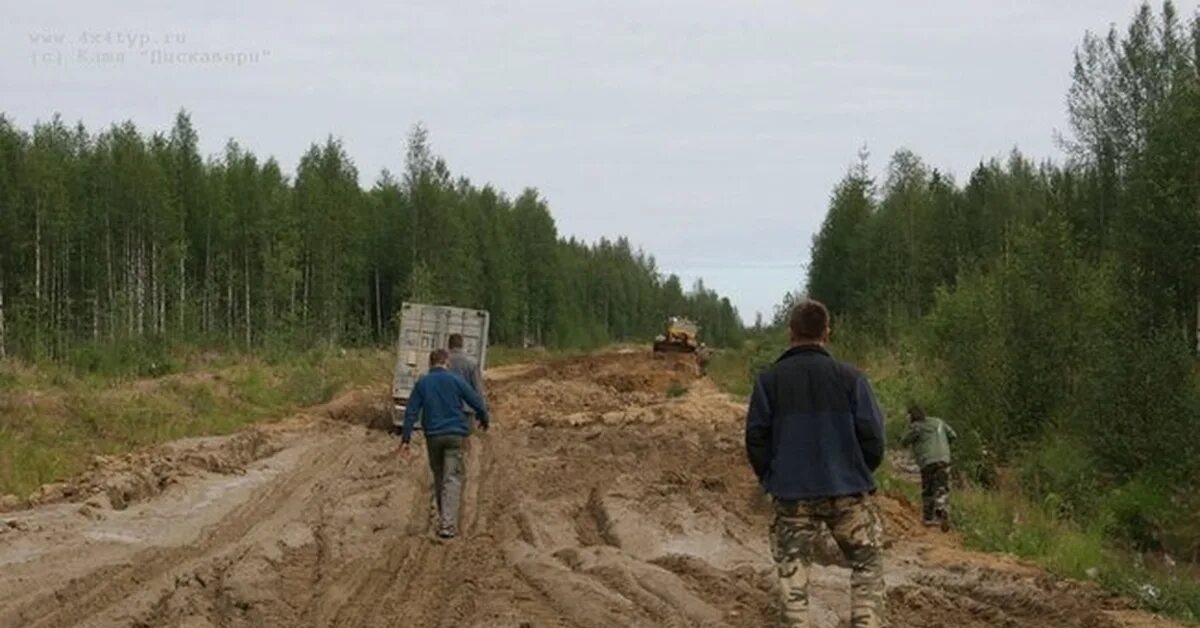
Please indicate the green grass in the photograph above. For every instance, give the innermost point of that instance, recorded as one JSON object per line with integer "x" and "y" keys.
{"x": 1007, "y": 522}
{"x": 728, "y": 369}
{"x": 56, "y": 418}
{"x": 734, "y": 369}
{"x": 676, "y": 390}
{"x": 889, "y": 482}
{"x": 998, "y": 521}
{"x": 504, "y": 356}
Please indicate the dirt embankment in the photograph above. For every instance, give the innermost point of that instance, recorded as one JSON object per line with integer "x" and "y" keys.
{"x": 612, "y": 491}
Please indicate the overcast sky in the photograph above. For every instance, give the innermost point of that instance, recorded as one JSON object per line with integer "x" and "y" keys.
{"x": 709, "y": 132}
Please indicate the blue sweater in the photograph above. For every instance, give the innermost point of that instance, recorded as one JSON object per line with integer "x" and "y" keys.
{"x": 813, "y": 429}
{"x": 440, "y": 394}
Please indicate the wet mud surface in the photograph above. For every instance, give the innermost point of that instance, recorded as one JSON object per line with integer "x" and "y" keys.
{"x": 611, "y": 491}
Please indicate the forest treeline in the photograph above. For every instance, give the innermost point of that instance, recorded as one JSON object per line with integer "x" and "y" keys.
{"x": 121, "y": 239}
{"x": 1052, "y": 308}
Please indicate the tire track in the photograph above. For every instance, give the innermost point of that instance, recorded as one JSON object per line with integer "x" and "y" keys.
{"x": 608, "y": 517}
{"x": 86, "y": 598}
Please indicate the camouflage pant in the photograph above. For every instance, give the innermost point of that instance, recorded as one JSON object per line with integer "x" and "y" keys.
{"x": 858, "y": 530}
{"x": 935, "y": 492}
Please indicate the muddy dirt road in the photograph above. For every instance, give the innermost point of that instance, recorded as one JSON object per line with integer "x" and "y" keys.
{"x": 604, "y": 496}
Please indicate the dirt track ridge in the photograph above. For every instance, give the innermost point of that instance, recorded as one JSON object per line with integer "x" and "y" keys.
{"x": 596, "y": 500}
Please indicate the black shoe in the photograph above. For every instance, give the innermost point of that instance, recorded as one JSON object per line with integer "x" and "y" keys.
{"x": 446, "y": 533}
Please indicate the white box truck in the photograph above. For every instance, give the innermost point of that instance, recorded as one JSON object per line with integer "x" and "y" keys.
{"x": 424, "y": 328}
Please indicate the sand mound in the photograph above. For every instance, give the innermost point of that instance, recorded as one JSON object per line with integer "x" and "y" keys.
{"x": 614, "y": 389}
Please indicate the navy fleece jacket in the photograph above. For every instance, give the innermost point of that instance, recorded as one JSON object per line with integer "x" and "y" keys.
{"x": 813, "y": 428}
{"x": 440, "y": 394}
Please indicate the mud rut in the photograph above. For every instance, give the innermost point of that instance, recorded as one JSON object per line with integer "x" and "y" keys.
{"x": 598, "y": 501}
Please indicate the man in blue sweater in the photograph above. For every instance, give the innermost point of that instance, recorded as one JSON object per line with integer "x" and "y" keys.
{"x": 440, "y": 395}
{"x": 814, "y": 435}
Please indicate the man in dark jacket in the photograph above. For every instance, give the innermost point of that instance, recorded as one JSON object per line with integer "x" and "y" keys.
{"x": 440, "y": 395}
{"x": 814, "y": 435}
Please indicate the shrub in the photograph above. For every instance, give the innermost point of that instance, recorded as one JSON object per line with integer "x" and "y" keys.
{"x": 1061, "y": 473}
{"x": 966, "y": 343}
{"x": 735, "y": 369}
{"x": 1137, "y": 413}
{"x": 8, "y": 381}
{"x": 143, "y": 357}
{"x": 676, "y": 390}
{"x": 1006, "y": 522}
{"x": 1138, "y": 512}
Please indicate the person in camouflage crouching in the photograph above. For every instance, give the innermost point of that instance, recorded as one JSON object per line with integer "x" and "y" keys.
{"x": 814, "y": 435}
{"x": 930, "y": 439}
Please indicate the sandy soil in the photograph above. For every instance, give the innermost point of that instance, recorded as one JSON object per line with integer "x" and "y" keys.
{"x": 612, "y": 491}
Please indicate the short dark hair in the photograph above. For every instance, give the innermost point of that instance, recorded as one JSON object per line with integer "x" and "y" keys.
{"x": 455, "y": 341}
{"x": 438, "y": 356}
{"x": 809, "y": 320}
{"x": 915, "y": 412}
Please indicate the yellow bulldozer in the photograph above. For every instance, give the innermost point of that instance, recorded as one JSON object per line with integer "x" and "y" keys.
{"x": 680, "y": 335}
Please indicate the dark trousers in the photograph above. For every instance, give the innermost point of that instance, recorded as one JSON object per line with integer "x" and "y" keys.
{"x": 935, "y": 491}
{"x": 446, "y": 462}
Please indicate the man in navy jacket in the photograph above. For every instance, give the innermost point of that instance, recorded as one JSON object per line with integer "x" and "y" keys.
{"x": 440, "y": 395}
{"x": 814, "y": 435}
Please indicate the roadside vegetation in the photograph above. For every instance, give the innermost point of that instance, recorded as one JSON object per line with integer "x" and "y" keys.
{"x": 57, "y": 416}
{"x": 499, "y": 355}
{"x": 1010, "y": 521}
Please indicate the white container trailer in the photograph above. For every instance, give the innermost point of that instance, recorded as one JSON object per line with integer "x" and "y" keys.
{"x": 424, "y": 328}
